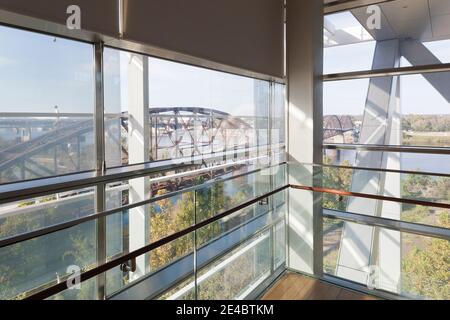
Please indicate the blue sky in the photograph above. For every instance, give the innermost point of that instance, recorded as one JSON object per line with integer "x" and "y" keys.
{"x": 175, "y": 84}
{"x": 38, "y": 72}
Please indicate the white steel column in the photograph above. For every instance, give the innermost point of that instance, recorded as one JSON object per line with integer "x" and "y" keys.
{"x": 389, "y": 241}
{"x": 360, "y": 244}
{"x": 138, "y": 152}
{"x": 304, "y": 71}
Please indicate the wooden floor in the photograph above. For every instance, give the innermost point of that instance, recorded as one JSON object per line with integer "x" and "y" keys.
{"x": 293, "y": 286}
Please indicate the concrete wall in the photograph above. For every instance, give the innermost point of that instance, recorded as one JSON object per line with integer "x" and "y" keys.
{"x": 305, "y": 64}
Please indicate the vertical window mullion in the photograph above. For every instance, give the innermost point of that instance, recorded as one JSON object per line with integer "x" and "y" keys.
{"x": 99, "y": 135}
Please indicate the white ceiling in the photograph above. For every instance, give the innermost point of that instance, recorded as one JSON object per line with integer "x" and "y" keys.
{"x": 440, "y": 15}
{"x": 417, "y": 19}
{"x": 424, "y": 20}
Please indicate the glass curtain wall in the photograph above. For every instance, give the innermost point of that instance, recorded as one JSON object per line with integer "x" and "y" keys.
{"x": 230, "y": 127}
{"x": 390, "y": 123}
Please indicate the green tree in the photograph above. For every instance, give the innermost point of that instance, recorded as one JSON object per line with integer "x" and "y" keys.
{"x": 336, "y": 178}
{"x": 426, "y": 270}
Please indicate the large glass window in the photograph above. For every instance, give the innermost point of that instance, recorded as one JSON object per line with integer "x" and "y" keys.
{"x": 154, "y": 110}
{"x": 192, "y": 111}
{"x": 208, "y": 111}
{"x": 46, "y": 105}
{"x": 394, "y": 131}
{"x": 46, "y": 129}
{"x": 234, "y": 275}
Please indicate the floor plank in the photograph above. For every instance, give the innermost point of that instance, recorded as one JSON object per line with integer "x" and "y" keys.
{"x": 284, "y": 287}
{"x": 293, "y": 286}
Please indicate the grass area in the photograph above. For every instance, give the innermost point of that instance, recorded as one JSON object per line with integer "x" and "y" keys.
{"x": 426, "y": 140}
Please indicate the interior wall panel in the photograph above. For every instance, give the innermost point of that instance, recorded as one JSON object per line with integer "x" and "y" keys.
{"x": 242, "y": 33}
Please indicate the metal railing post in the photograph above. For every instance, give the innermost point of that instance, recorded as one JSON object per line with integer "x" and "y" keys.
{"x": 195, "y": 248}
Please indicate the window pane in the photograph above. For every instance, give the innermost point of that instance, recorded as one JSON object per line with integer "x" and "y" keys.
{"x": 408, "y": 264}
{"x": 126, "y": 136}
{"x": 47, "y": 104}
{"x": 431, "y": 163}
{"x": 170, "y": 263}
{"x": 184, "y": 291}
{"x": 240, "y": 224}
{"x": 192, "y": 111}
{"x": 157, "y": 220}
{"x": 278, "y": 125}
{"x": 35, "y": 264}
{"x": 409, "y": 110}
{"x": 87, "y": 291}
{"x": 199, "y": 111}
{"x": 234, "y": 275}
{"x": 224, "y": 195}
{"x": 280, "y": 244}
{"x": 348, "y": 45}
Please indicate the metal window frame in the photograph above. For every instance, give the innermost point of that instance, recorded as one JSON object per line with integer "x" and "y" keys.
{"x": 100, "y": 165}
{"x": 396, "y": 225}
{"x": 372, "y": 196}
{"x": 387, "y": 148}
{"x": 99, "y": 177}
{"x": 271, "y": 224}
{"x": 389, "y": 72}
{"x": 415, "y": 172}
{"x": 43, "y": 186}
{"x": 385, "y": 223}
